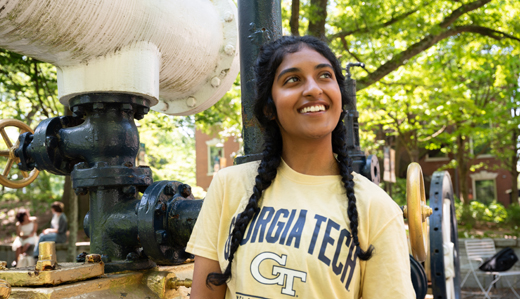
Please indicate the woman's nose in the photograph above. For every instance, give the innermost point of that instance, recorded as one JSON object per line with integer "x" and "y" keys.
{"x": 312, "y": 88}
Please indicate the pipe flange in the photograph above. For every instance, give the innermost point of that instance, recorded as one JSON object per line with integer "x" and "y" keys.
{"x": 102, "y": 175}
{"x": 44, "y": 148}
{"x": 152, "y": 215}
{"x": 222, "y": 77}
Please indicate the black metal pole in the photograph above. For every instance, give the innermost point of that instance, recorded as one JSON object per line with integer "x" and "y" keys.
{"x": 260, "y": 21}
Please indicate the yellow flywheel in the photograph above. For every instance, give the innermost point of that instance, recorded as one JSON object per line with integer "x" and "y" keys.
{"x": 417, "y": 212}
{"x": 8, "y": 176}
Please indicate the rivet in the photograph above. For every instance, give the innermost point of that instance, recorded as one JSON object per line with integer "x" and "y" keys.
{"x": 191, "y": 101}
{"x": 215, "y": 82}
{"x": 228, "y": 16}
{"x": 229, "y": 49}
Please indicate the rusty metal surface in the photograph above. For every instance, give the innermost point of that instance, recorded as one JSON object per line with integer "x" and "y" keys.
{"x": 260, "y": 21}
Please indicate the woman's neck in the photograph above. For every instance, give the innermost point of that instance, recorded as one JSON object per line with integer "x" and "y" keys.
{"x": 312, "y": 157}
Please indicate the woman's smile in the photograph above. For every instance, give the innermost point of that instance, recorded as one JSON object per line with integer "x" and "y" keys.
{"x": 306, "y": 95}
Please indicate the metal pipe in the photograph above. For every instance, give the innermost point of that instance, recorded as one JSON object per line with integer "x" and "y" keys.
{"x": 130, "y": 46}
{"x": 260, "y": 21}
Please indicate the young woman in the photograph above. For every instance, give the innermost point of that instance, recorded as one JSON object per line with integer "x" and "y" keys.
{"x": 26, "y": 228}
{"x": 58, "y": 230}
{"x": 299, "y": 223}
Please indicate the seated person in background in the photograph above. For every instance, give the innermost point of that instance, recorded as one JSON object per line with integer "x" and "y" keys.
{"x": 58, "y": 230}
{"x": 26, "y": 228}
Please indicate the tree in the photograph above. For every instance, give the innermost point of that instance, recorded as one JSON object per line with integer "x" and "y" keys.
{"x": 431, "y": 69}
{"x": 385, "y": 35}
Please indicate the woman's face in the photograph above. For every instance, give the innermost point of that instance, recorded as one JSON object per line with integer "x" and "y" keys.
{"x": 306, "y": 95}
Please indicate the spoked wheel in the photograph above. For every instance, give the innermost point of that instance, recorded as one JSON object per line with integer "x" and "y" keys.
{"x": 444, "y": 245}
{"x": 9, "y": 177}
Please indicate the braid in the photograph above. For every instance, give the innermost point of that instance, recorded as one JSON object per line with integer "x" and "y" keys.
{"x": 345, "y": 169}
{"x": 271, "y": 158}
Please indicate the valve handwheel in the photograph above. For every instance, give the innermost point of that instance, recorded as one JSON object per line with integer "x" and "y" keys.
{"x": 417, "y": 212}
{"x": 5, "y": 178}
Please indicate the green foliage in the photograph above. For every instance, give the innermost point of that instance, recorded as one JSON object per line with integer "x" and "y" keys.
{"x": 477, "y": 212}
{"x": 46, "y": 189}
{"x": 28, "y": 89}
{"x": 399, "y": 191}
{"x": 225, "y": 116}
{"x": 513, "y": 215}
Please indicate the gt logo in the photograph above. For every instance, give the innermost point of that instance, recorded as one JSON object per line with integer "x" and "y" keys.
{"x": 280, "y": 272}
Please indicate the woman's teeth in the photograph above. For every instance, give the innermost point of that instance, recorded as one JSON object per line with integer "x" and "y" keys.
{"x": 317, "y": 108}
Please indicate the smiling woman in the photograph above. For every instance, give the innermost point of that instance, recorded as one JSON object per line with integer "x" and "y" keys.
{"x": 299, "y": 223}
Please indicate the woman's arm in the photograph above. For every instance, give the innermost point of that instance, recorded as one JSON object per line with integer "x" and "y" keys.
{"x": 199, "y": 290}
{"x": 35, "y": 228}
{"x": 387, "y": 273}
{"x": 49, "y": 230}
{"x": 18, "y": 230}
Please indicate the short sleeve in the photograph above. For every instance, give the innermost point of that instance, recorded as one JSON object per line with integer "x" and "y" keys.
{"x": 389, "y": 267}
{"x": 62, "y": 225}
{"x": 204, "y": 238}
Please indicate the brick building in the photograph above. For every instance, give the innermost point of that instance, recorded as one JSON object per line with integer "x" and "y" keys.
{"x": 212, "y": 154}
{"x": 485, "y": 184}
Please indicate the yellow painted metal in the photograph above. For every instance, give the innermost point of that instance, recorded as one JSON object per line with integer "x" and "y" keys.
{"x": 64, "y": 272}
{"x": 47, "y": 258}
{"x": 5, "y": 289}
{"x": 125, "y": 285}
{"x": 27, "y": 178}
{"x": 417, "y": 212}
{"x": 153, "y": 283}
{"x": 175, "y": 283}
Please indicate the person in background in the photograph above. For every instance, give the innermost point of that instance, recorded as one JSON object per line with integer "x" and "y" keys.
{"x": 26, "y": 228}
{"x": 58, "y": 230}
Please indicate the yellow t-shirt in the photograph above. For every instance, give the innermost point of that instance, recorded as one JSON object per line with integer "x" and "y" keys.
{"x": 299, "y": 244}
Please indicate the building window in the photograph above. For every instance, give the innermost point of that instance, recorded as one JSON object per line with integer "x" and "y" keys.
{"x": 484, "y": 186}
{"x": 216, "y": 159}
{"x": 436, "y": 155}
{"x": 479, "y": 141}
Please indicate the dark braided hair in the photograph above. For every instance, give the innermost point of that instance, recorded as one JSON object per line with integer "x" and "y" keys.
{"x": 270, "y": 57}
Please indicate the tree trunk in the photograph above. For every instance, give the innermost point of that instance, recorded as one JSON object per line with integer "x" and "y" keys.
{"x": 295, "y": 18}
{"x": 414, "y": 155}
{"x": 514, "y": 171}
{"x": 462, "y": 166}
{"x": 318, "y": 18}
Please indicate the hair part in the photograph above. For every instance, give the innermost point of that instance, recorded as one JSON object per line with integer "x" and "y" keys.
{"x": 270, "y": 57}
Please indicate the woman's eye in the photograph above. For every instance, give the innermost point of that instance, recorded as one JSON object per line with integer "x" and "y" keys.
{"x": 326, "y": 75}
{"x": 291, "y": 80}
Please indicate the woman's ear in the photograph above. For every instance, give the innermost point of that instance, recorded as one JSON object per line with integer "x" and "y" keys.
{"x": 269, "y": 113}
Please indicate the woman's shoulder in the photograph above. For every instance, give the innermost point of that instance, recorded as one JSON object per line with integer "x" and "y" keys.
{"x": 372, "y": 198}
{"x": 244, "y": 170}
